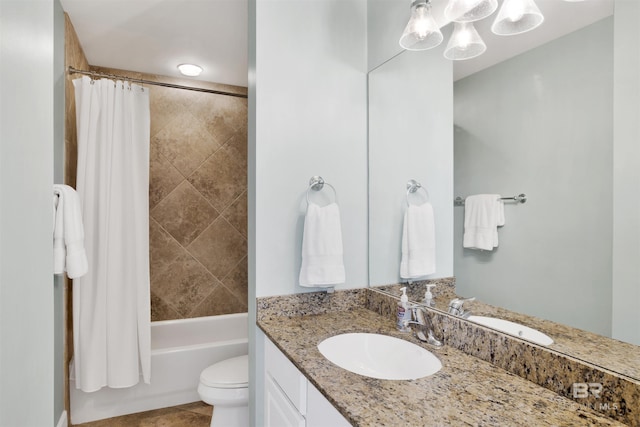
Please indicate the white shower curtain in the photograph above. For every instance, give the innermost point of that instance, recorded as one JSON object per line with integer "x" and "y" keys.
{"x": 111, "y": 307}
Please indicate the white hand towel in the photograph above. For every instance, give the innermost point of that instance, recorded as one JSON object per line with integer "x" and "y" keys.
{"x": 418, "y": 242}
{"x": 322, "y": 260}
{"x": 483, "y": 214}
{"x": 68, "y": 234}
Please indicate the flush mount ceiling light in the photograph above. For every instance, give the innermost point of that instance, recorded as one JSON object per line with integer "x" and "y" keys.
{"x": 190, "y": 70}
{"x": 465, "y": 42}
{"x": 421, "y": 32}
{"x": 516, "y": 17}
{"x": 469, "y": 10}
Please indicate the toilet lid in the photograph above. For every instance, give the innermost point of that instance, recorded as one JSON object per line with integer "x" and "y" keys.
{"x": 229, "y": 373}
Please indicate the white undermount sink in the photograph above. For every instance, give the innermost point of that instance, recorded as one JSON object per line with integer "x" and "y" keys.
{"x": 379, "y": 356}
{"x": 514, "y": 329}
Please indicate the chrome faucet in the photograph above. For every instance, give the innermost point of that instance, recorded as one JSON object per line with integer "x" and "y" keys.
{"x": 455, "y": 307}
{"x": 424, "y": 330}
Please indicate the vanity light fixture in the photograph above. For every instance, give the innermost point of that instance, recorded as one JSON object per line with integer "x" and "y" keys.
{"x": 190, "y": 70}
{"x": 465, "y": 42}
{"x": 421, "y": 32}
{"x": 516, "y": 17}
{"x": 469, "y": 10}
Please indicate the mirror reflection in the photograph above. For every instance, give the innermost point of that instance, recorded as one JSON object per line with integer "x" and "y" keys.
{"x": 540, "y": 123}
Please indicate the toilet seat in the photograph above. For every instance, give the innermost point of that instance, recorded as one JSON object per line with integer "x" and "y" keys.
{"x": 229, "y": 373}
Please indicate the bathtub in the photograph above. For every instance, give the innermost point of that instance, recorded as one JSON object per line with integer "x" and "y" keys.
{"x": 180, "y": 350}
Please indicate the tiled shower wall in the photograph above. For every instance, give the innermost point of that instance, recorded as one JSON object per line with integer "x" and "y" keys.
{"x": 197, "y": 200}
{"x": 197, "y": 193}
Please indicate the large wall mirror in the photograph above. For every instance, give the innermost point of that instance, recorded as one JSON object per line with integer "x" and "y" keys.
{"x": 540, "y": 121}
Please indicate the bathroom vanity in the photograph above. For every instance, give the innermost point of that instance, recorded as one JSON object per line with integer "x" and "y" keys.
{"x": 466, "y": 391}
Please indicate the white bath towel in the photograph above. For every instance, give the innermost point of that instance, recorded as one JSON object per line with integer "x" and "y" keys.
{"x": 483, "y": 214}
{"x": 322, "y": 260}
{"x": 418, "y": 242}
{"x": 68, "y": 233}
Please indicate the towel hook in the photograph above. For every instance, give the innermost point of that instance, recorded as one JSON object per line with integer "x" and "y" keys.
{"x": 316, "y": 183}
{"x": 412, "y": 187}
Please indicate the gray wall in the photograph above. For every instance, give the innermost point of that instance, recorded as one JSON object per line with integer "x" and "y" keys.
{"x": 28, "y": 365}
{"x": 626, "y": 173}
{"x": 410, "y": 124}
{"x": 542, "y": 124}
{"x": 58, "y": 178}
{"x": 307, "y": 116}
{"x": 311, "y": 103}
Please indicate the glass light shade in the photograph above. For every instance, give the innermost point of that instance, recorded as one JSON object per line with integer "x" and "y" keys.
{"x": 421, "y": 32}
{"x": 517, "y": 16}
{"x": 469, "y": 10}
{"x": 465, "y": 42}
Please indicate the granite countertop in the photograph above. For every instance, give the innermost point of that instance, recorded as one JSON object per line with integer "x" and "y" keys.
{"x": 616, "y": 356}
{"x": 466, "y": 391}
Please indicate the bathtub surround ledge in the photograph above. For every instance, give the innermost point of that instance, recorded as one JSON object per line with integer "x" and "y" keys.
{"x": 487, "y": 363}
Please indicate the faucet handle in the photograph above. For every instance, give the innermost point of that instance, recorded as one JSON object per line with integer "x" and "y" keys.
{"x": 455, "y": 306}
{"x": 425, "y": 332}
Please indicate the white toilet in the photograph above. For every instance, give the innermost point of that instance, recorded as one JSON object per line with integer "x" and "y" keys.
{"x": 225, "y": 385}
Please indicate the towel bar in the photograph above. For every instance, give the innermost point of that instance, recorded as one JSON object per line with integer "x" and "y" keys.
{"x": 520, "y": 198}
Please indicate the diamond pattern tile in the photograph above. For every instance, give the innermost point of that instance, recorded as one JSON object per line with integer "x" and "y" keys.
{"x": 184, "y": 283}
{"x": 219, "y": 248}
{"x": 237, "y": 214}
{"x": 184, "y": 213}
{"x": 185, "y": 142}
{"x": 222, "y": 178}
{"x": 163, "y": 177}
{"x": 220, "y": 301}
{"x": 221, "y": 115}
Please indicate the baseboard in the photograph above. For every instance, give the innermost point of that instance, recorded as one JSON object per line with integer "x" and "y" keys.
{"x": 62, "y": 422}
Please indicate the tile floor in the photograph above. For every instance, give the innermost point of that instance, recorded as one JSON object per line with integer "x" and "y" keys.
{"x": 197, "y": 414}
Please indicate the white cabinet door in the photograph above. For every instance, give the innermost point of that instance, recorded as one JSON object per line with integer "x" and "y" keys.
{"x": 320, "y": 412}
{"x": 279, "y": 411}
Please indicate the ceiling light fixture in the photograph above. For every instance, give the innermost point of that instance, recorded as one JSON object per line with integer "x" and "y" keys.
{"x": 514, "y": 17}
{"x": 465, "y": 42}
{"x": 469, "y": 10}
{"x": 190, "y": 70}
{"x": 517, "y": 17}
{"x": 421, "y": 32}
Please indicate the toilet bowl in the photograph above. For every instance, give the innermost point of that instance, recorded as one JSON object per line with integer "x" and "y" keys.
{"x": 225, "y": 385}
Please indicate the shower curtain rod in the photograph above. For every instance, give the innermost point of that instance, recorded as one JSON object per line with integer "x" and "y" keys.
{"x": 72, "y": 70}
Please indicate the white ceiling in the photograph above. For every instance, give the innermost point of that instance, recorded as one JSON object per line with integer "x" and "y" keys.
{"x": 154, "y": 36}
{"x": 561, "y": 17}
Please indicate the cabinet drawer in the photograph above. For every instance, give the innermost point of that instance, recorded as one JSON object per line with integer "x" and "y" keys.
{"x": 286, "y": 375}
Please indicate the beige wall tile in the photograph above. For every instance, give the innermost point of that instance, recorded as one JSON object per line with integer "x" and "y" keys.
{"x": 237, "y": 214}
{"x": 184, "y": 283}
{"x": 220, "y": 301}
{"x": 184, "y": 213}
{"x": 185, "y": 142}
{"x": 163, "y": 248}
{"x": 222, "y": 178}
{"x": 219, "y": 248}
{"x": 188, "y": 130}
{"x": 236, "y": 281}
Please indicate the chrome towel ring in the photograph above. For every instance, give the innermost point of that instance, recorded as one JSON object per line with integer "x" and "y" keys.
{"x": 412, "y": 187}
{"x": 317, "y": 183}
